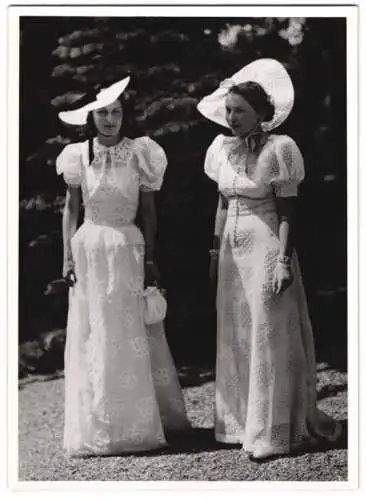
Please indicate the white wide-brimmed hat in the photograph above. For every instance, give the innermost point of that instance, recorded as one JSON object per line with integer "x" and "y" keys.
{"x": 103, "y": 98}
{"x": 274, "y": 79}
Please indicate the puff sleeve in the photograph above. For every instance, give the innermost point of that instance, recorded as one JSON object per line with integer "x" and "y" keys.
{"x": 288, "y": 170}
{"x": 69, "y": 164}
{"x": 152, "y": 163}
{"x": 211, "y": 165}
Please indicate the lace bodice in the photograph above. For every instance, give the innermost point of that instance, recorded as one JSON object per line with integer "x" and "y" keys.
{"x": 278, "y": 169}
{"x": 111, "y": 183}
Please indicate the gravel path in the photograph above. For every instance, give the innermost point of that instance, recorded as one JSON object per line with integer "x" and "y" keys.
{"x": 195, "y": 458}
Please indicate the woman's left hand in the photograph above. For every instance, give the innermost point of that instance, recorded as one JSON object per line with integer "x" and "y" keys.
{"x": 282, "y": 278}
{"x": 152, "y": 275}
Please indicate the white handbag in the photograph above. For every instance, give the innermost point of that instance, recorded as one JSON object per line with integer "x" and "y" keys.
{"x": 155, "y": 305}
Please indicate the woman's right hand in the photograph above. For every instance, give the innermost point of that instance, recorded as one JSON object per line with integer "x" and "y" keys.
{"x": 68, "y": 273}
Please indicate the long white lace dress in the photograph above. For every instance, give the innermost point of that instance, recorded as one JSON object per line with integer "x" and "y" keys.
{"x": 122, "y": 392}
{"x": 266, "y": 369}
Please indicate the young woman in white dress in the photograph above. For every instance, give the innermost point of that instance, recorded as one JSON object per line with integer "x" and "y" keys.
{"x": 266, "y": 369}
{"x": 122, "y": 392}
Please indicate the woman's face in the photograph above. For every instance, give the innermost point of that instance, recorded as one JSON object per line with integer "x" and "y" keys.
{"x": 108, "y": 120}
{"x": 240, "y": 115}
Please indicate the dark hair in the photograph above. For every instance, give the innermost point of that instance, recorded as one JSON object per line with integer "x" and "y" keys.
{"x": 257, "y": 97}
{"x": 128, "y": 127}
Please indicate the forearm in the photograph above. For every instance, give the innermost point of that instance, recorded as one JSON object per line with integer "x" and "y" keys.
{"x": 69, "y": 224}
{"x": 285, "y": 208}
{"x": 149, "y": 232}
{"x": 149, "y": 224}
{"x": 220, "y": 220}
{"x": 286, "y": 243}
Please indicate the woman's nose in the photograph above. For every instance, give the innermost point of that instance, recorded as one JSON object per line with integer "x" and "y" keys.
{"x": 232, "y": 117}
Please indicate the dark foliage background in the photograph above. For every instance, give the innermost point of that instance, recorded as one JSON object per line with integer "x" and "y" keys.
{"x": 173, "y": 63}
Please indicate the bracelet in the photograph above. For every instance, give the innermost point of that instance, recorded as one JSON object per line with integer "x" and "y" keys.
{"x": 214, "y": 252}
{"x": 285, "y": 260}
{"x": 149, "y": 262}
{"x": 69, "y": 260}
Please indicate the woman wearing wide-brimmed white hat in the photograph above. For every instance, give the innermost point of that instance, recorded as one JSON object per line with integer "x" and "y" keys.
{"x": 266, "y": 370}
{"x": 122, "y": 392}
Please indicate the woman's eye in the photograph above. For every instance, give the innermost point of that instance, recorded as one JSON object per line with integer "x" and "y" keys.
{"x": 235, "y": 110}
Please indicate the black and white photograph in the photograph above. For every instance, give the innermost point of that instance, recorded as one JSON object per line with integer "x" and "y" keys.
{"x": 183, "y": 244}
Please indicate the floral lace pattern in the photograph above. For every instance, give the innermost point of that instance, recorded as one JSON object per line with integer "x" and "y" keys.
{"x": 278, "y": 168}
{"x": 265, "y": 371}
{"x": 121, "y": 388}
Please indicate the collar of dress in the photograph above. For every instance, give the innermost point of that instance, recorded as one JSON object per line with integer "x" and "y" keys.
{"x": 254, "y": 143}
{"x": 101, "y": 148}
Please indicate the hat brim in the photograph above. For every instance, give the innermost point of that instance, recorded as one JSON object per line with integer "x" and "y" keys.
{"x": 268, "y": 73}
{"x": 104, "y": 98}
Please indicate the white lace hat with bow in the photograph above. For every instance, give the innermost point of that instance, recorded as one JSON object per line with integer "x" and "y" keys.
{"x": 105, "y": 97}
{"x": 268, "y": 73}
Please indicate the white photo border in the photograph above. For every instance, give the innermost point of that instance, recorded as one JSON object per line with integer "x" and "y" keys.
{"x": 190, "y": 9}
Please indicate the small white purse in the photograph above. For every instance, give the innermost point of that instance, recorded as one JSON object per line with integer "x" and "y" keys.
{"x": 155, "y": 305}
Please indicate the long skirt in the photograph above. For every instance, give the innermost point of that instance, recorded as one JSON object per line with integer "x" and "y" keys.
{"x": 266, "y": 369}
{"x": 122, "y": 392}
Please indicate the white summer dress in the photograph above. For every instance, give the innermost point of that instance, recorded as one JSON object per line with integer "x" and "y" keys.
{"x": 122, "y": 392}
{"x": 266, "y": 369}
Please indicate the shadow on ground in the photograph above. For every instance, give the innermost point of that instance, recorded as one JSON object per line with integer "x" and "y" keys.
{"x": 199, "y": 440}
{"x": 194, "y": 376}
{"x": 331, "y": 390}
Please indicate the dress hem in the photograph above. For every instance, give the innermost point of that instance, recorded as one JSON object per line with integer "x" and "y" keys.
{"x": 228, "y": 439}
{"x": 125, "y": 451}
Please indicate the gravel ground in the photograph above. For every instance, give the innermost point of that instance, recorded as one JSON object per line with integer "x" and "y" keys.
{"x": 196, "y": 457}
